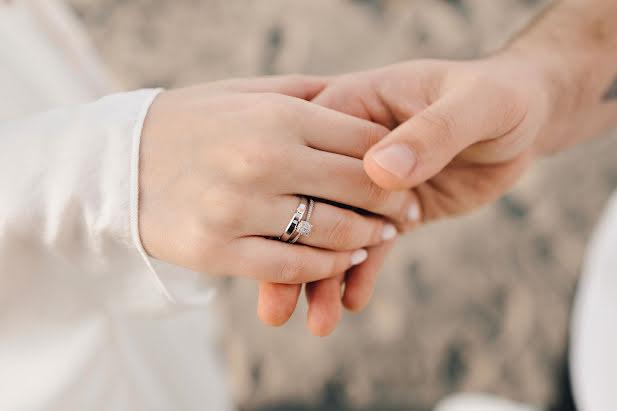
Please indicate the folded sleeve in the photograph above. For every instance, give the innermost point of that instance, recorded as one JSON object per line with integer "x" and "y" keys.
{"x": 69, "y": 238}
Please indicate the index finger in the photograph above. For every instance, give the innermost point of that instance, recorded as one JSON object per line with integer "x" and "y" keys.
{"x": 335, "y": 132}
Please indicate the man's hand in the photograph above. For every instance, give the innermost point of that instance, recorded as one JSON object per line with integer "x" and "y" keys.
{"x": 463, "y": 133}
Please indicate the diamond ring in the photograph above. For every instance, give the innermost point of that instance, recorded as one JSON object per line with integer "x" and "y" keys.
{"x": 296, "y": 219}
{"x": 304, "y": 227}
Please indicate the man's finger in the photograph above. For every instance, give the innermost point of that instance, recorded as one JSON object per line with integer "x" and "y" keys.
{"x": 360, "y": 280}
{"x": 277, "y": 302}
{"x": 421, "y": 147}
{"x": 325, "y": 306}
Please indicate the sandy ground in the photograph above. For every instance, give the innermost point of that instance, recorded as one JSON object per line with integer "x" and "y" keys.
{"x": 477, "y": 303}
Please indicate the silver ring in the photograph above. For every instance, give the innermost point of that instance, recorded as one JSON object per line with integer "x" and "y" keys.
{"x": 304, "y": 227}
{"x": 295, "y": 220}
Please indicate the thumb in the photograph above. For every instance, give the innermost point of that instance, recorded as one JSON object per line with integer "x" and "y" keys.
{"x": 422, "y": 146}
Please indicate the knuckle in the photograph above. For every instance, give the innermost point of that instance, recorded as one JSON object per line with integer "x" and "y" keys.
{"x": 514, "y": 111}
{"x": 374, "y": 133}
{"x": 225, "y": 207}
{"x": 292, "y": 270}
{"x": 375, "y": 195}
{"x": 277, "y": 111}
{"x": 341, "y": 235}
{"x": 250, "y": 164}
{"x": 509, "y": 100}
{"x": 440, "y": 125}
{"x": 271, "y": 109}
{"x": 277, "y": 102}
{"x": 296, "y": 78}
{"x": 196, "y": 250}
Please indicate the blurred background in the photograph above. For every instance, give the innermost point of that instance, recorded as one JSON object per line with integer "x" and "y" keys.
{"x": 478, "y": 303}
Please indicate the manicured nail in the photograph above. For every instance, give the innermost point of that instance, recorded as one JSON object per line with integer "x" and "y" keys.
{"x": 396, "y": 159}
{"x": 358, "y": 257}
{"x": 413, "y": 214}
{"x": 388, "y": 232}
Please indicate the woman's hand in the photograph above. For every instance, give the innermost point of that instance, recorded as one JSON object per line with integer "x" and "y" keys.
{"x": 222, "y": 166}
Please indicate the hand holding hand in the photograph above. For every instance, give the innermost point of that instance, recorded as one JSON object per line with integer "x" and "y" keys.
{"x": 222, "y": 166}
{"x": 463, "y": 133}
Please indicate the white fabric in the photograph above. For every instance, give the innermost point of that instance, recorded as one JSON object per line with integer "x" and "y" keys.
{"x": 480, "y": 402}
{"x": 87, "y": 321}
{"x": 84, "y": 322}
{"x": 593, "y": 341}
{"x": 45, "y": 59}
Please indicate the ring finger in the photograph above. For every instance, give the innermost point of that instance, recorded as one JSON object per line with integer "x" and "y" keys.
{"x": 333, "y": 228}
{"x": 342, "y": 179}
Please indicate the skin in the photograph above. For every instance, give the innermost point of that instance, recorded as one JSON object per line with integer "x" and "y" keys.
{"x": 215, "y": 157}
{"x": 462, "y": 133}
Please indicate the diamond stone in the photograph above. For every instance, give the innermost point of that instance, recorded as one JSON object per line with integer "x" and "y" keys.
{"x": 304, "y": 228}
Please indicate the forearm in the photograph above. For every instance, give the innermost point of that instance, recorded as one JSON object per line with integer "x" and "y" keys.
{"x": 574, "y": 43}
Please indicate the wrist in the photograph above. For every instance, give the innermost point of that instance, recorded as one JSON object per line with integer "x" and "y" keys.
{"x": 575, "y": 66}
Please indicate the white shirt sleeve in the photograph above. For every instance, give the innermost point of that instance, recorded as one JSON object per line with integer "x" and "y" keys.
{"x": 68, "y": 211}
{"x": 86, "y": 321}
{"x": 593, "y": 326}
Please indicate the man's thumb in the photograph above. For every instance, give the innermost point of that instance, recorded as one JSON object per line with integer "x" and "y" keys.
{"x": 422, "y": 146}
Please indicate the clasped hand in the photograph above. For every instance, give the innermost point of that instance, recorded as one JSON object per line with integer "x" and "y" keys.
{"x": 223, "y": 166}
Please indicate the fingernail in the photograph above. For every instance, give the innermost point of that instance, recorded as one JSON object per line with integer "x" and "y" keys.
{"x": 396, "y": 159}
{"x": 358, "y": 257}
{"x": 413, "y": 214}
{"x": 388, "y": 232}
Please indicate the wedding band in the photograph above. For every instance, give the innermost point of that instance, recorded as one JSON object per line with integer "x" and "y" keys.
{"x": 304, "y": 227}
{"x": 295, "y": 220}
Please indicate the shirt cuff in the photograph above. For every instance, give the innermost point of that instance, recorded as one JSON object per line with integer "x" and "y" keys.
{"x": 180, "y": 286}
